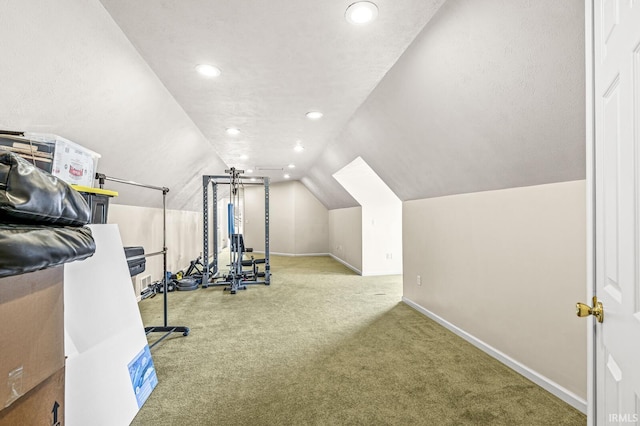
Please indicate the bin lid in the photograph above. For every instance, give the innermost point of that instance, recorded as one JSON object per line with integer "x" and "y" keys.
{"x": 90, "y": 190}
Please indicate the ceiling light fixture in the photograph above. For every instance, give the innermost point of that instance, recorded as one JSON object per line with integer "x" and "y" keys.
{"x": 291, "y": 166}
{"x": 249, "y": 171}
{"x": 286, "y": 176}
{"x": 314, "y": 115}
{"x": 244, "y": 157}
{"x": 233, "y": 131}
{"x": 298, "y": 147}
{"x": 361, "y": 12}
{"x": 207, "y": 70}
{"x": 253, "y": 179}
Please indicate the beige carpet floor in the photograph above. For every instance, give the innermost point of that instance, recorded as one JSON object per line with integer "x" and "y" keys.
{"x": 324, "y": 346}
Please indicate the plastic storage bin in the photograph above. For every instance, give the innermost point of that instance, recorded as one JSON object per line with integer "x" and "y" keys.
{"x": 98, "y": 200}
{"x": 71, "y": 162}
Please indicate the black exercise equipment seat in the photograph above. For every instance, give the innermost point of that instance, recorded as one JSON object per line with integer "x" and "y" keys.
{"x": 253, "y": 262}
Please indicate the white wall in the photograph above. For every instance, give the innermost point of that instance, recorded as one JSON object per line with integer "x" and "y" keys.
{"x": 282, "y": 218}
{"x": 254, "y": 218}
{"x": 365, "y": 239}
{"x": 381, "y": 218}
{"x": 298, "y": 222}
{"x": 382, "y": 239}
{"x": 142, "y": 226}
{"x": 345, "y": 236}
{"x": 311, "y": 225}
{"x": 507, "y": 267}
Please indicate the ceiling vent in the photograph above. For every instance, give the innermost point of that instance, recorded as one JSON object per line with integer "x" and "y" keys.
{"x": 269, "y": 169}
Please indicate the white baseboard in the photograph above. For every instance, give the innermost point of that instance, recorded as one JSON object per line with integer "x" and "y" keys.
{"x": 293, "y": 254}
{"x": 542, "y": 381}
{"x": 353, "y": 268}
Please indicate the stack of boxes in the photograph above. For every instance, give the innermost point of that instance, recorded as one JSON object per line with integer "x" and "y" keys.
{"x": 32, "y": 336}
{"x": 61, "y": 157}
{"x": 32, "y": 354}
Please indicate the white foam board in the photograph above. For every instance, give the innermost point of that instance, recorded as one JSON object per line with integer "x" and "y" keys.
{"x": 103, "y": 334}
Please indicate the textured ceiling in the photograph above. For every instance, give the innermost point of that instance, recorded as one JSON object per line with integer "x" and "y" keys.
{"x": 486, "y": 95}
{"x": 490, "y": 95}
{"x": 279, "y": 59}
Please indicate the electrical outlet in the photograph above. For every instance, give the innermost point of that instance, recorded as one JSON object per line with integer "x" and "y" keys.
{"x": 419, "y": 280}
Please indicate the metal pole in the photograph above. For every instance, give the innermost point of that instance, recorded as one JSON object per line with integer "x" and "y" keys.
{"x": 101, "y": 178}
{"x": 214, "y": 189}
{"x": 267, "y": 266}
{"x": 166, "y": 328}
{"x": 205, "y": 231}
{"x": 164, "y": 250}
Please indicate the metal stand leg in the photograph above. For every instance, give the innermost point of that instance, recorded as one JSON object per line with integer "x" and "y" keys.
{"x": 165, "y": 328}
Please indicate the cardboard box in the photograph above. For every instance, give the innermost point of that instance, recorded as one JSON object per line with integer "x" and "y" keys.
{"x": 43, "y": 405}
{"x": 32, "y": 331}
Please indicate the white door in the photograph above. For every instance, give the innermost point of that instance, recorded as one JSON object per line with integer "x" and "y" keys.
{"x": 616, "y": 100}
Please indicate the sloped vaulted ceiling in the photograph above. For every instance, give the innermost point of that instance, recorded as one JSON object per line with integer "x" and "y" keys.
{"x": 67, "y": 69}
{"x": 490, "y": 95}
{"x": 279, "y": 59}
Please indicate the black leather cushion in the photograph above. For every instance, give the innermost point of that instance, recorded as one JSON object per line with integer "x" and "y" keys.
{"x": 31, "y": 195}
{"x": 28, "y": 248}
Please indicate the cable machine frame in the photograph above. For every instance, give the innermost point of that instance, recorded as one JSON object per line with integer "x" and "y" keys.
{"x": 211, "y": 270}
{"x": 166, "y": 328}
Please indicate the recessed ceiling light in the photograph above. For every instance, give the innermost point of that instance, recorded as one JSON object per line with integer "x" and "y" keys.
{"x": 249, "y": 171}
{"x": 298, "y": 148}
{"x": 208, "y": 70}
{"x": 291, "y": 166}
{"x": 253, "y": 179}
{"x": 286, "y": 176}
{"x": 233, "y": 131}
{"x": 314, "y": 115}
{"x": 244, "y": 157}
{"x": 361, "y": 12}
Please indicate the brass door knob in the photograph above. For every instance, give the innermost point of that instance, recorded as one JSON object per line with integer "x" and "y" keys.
{"x": 597, "y": 310}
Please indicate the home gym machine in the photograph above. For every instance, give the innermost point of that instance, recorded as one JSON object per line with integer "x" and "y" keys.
{"x": 165, "y": 328}
{"x": 238, "y": 277}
